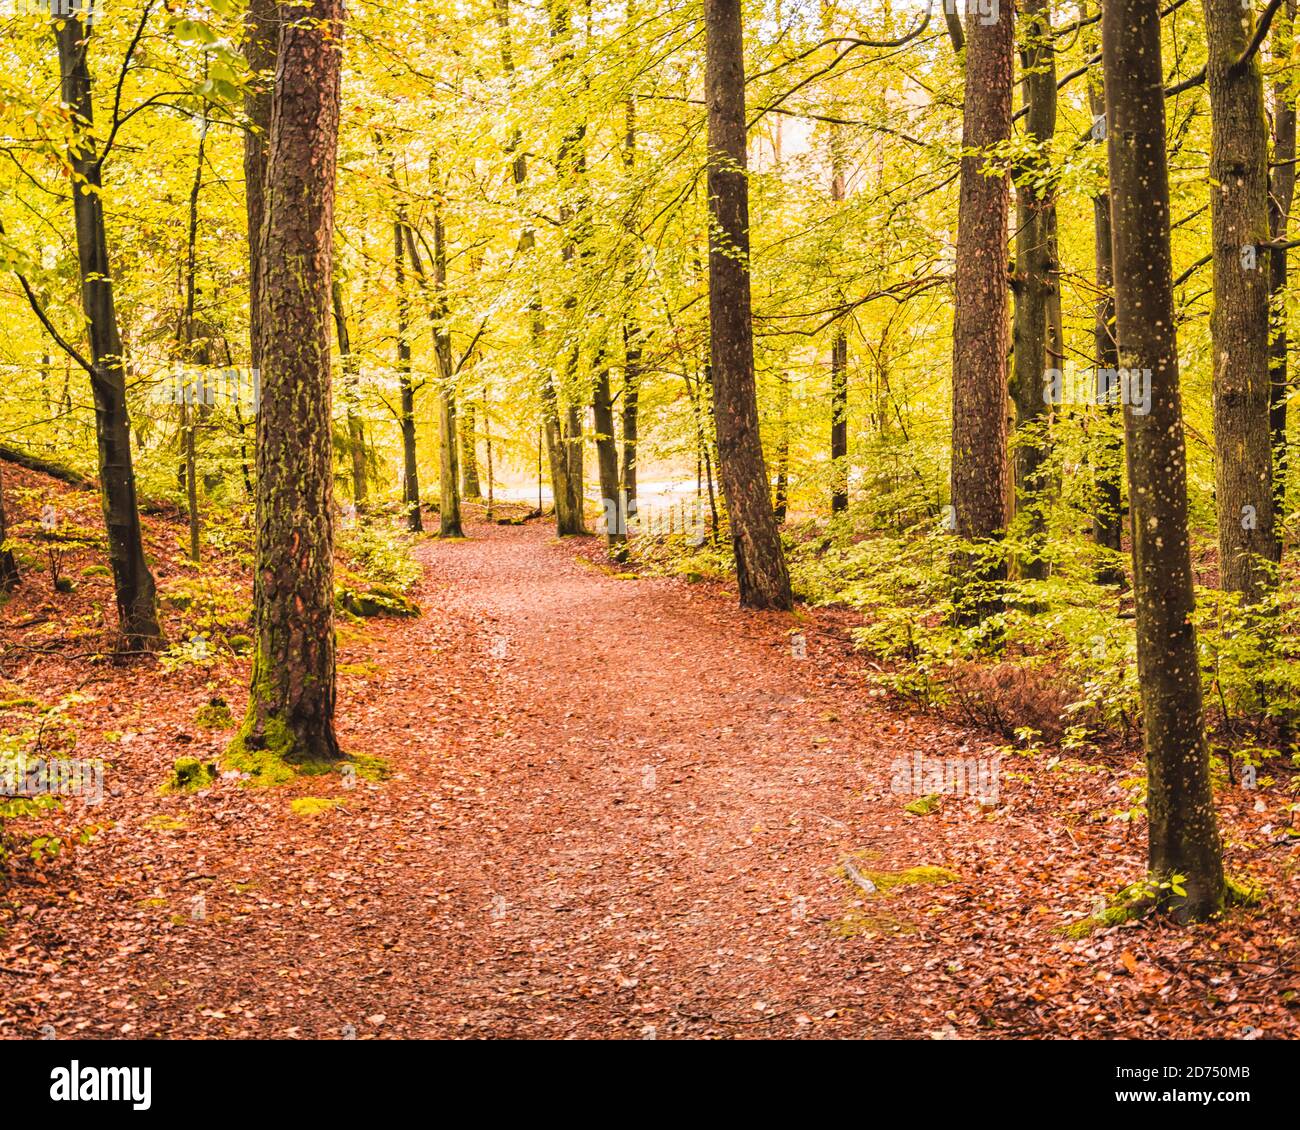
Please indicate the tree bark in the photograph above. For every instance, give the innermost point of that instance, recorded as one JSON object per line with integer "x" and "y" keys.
{"x": 980, "y": 338}
{"x": 133, "y": 583}
{"x": 1280, "y": 197}
{"x": 1106, "y": 452}
{"x": 1036, "y": 272}
{"x": 261, "y": 32}
{"x": 1183, "y": 836}
{"x": 761, "y": 573}
{"x": 1239, "y": 318}
{"x": 292, "y": 696}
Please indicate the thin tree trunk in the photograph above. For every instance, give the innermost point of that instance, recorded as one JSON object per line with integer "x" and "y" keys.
{"x": 1106, "y": 452}
{"x": 631, "y": 395}
{"x": 487, "y": 443}
{"x": 1281, "y": 195}
{"x": 839, "y": 421}
{"x": 292, "y": 696}
{"x": 132, "y": 581}
{"x": 449, "y": 518}
{"x": 607, "y": 465}
{"x": 405, "y": 387}
{"x": 1034, "y": 282}
{"x": 470, "y": 487}
{"x": 9, "y": 576}
{"x": 261, "y": 31}
{"x": 351, "y": 376}
{"x": 761, "y": 573}
{"x": 1183, "y": 837}
{"x": 191, "y": 409}
{"x": 980, "y": 340}
{"x": 782, "y": 498}
{"x": 632, "y": 332}
{"x": 839, "y": 362}
{"x": 1239, "y": 318}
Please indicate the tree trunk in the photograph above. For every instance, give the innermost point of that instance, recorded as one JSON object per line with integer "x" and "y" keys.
{"x": 351, "y": 377}
{"x": 192, "y": 409}
{"x": 9, "y": 577}
{"x": 261, "y": 29}
{"x": 980, "y": 340}
{"x": 839, "y": 363}
{"x": 132, "y": 581}
{"x": 613, "y": 503}
{"x": 782, "y": 497}
{"x": 1239, "y": 318}
{"x": 839, "y": 421}
{"x": 761, "y": 574}
{"x": 632, "y": 333}
{"x": 405, "y": 389}
{"x": 449, "y": 503}
{"x": 1280, "y": 197}
{"x": 1106, "y": 452}
{"x": 292, "y": 696}
{"x": 470, "y": 487}
{"x": 1182, "y": 833}
{"x": 631, "y": 394}
{"x": 1035, "y": 280}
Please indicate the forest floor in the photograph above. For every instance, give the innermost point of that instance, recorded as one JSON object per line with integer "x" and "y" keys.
{"x": 615, "y": 807}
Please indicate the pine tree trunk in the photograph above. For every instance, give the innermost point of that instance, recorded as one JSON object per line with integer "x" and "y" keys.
{"x": 980, "y": 338}
{"x": 1280, "y": 197}
{"x": 292, "y": 696}
{"x": 1182, "y": 833}
{"x": 1035, "y": 281}
{"x": 1239, "y": 318}
{"x": 761, "y": 574}
{"x": 133, "y": 583}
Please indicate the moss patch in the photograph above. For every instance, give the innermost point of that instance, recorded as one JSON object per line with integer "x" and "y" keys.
{"x": 215, "y": 716}
{"x": 885, "y": 880}
{"x": 377, "y": 600}
{"x": 189, "y": 774}
{"x": 1241, "y": 892}
{"x": 313, "y": 805}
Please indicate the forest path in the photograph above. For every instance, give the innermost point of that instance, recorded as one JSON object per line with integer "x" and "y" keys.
{"x": 646, "y": 806}
{"x": 616, "y": 807}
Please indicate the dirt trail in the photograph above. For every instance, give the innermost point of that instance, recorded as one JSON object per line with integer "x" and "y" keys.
{"x": 617, "y": 807}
